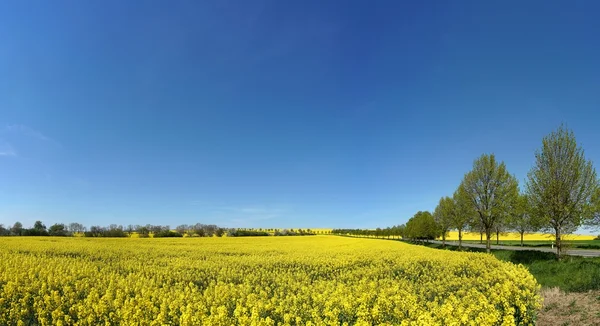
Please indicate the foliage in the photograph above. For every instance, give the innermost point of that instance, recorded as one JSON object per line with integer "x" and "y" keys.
{"x": 594, "y": 221}
{"x": 200, "y": 230}
{"x": 422, "y": 226}
{"x": 113, "y": 231}
{"x": 39, "y": 229}
{"x": 58, "y": 230}
{"x": 491, "y": 190}
{"x": 396, "y": 231}
{"x": 464, "y": 215}
{"x": 286, "y": 232}
{"x": 246, "y": 233}
{"x": 256, "y": 281}
{"x": 17, "y": 229}
{"x": 521, "y": 219}
{"x": 167, "y": 234}
{"x": 76, "y": 228}
{"x": 561, "y": 186}
{"x": 444, "y": 215}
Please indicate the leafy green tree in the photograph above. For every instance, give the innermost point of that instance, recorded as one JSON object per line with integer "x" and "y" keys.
{"x": 444, "y": 215}
{"x": 561, "y": 186}
{"x": 17, "y": 228}
{"x": 594, "y": 222}
{"x": 76, "y": 227}
{"x": 464, "y": 215}
{"x": 58, "y": 230}
{"x": 39, "y": 226}
{"x": 521, "y": 220}
{"x": 422, "y": 226}
{"x": 491, "y": 191}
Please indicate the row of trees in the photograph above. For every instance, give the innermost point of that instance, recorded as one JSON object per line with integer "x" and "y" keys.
{"x": 143, "y": 231}
{"x": 394, "y": 232}
{"x": 561, "y": 194}
{"x": 292, "y": 232}
{"x": 38, "y": 229}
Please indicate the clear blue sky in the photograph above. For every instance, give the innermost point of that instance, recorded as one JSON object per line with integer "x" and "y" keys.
{"x": 280, "y": 114}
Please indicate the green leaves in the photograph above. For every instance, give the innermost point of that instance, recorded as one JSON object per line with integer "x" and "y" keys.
{"x": 491, "y": 190}
{"x": 422, "y": 226}
{"x": 465, "y": 212}
{"x": 444, "y": 214}
{"x": 562, "y": 185}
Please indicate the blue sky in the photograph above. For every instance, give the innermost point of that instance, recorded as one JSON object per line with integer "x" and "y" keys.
{"x": 279, "y": 114}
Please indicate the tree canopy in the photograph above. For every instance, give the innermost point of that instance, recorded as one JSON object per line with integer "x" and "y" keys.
{"x": 422, "y": 226}
{"x": 562, "y": 186}
{"x": 444, "y": 215}
{"x": 491, "y": 190}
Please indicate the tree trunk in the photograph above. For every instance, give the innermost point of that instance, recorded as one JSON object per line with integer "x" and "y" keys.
{"x": 558, "y": 243}
{"x": 488, "y": 237}
{"x": 444, "y": 240}
{"x": 480, "y": 237}
{"x": 497, "y": 237}
{"x": 522, "y": 238}
{"x": 459, "y": 239}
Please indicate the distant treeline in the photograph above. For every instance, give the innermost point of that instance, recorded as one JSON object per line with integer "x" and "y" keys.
{"x": 144, "y": 231}
{"x": 389, "y": 232}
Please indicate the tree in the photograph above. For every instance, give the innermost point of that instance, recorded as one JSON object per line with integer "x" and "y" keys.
{"x": 464, "y": 213}
{"x": 182, "y": 229}
{"x": 561, "y": 186}
{"x": 199, "y": 229}
{"x": 444, "y": 215}
{"x": 422, "y": 226}
{"x": 58, "y": 230}
{"x": 39, "y": 229}
{"x": 142, "y": 231}
{"x": 76, "y": 228}
{"x": 594, "y": 222}
{"x": 400, "y": 229}
{"x": 130, "y": 229}
{"x": 4, "y": 231}
{"x": 491, "y": 191}
{"x": 38, "y": 225}
{"x": 17, "y": 229}
{"x": 521, "y": 220}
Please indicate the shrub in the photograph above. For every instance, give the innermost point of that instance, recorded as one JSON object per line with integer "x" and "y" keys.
{"x": 168, "y": 234}
{"x": 246, "y": 233}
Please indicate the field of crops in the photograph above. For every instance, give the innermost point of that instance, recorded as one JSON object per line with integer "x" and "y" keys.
{"x": 319, "y": 280}
{"x": 453, "y": 235}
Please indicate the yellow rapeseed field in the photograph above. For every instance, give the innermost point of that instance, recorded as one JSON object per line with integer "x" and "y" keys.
{"x": 319, "y": 280}
{"x": 453, "y": 235}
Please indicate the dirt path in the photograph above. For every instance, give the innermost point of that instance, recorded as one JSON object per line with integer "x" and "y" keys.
{"x": 562, "y": 308}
